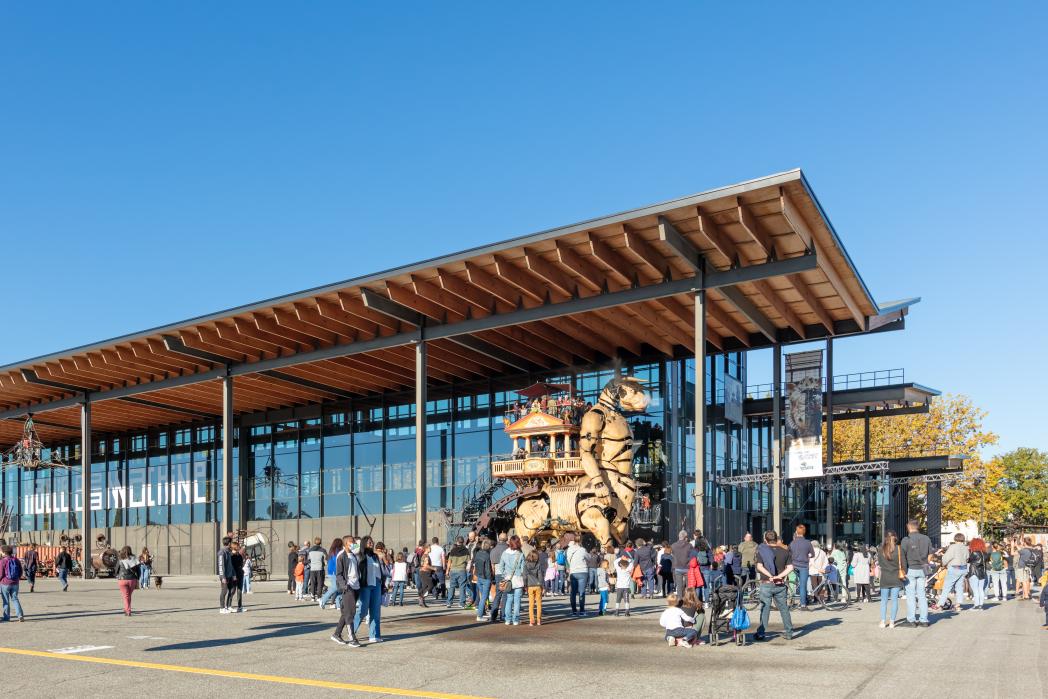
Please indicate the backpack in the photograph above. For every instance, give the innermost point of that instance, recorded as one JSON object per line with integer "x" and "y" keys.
{"x": 14, "y": 568}
{"x": 704, "y": 558}
{"x": 996, "y": 561}
{"x": 740, "y": 618}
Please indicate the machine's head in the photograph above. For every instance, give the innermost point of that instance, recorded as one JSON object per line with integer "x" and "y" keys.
{"x": 629, "y": 391}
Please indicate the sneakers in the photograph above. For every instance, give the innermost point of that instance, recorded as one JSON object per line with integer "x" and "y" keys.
{"x": 884, "y": 624}
{"x": 353, "y": 643}
{"x": 339, "y": 640}
{"x": 240, "y": 610}
{"x": 225, "y": 610}
{"x": 671, "y": 641}
{"x": 375, "y": 640}
{"x": 683, "y": 643}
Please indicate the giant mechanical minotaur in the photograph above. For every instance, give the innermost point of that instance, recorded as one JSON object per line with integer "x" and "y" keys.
{"x": 567, "y": 489}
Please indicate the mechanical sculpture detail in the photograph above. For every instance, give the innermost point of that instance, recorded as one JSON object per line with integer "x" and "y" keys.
{"x": 28, "y": 452}
{"x": 593, "y": 491}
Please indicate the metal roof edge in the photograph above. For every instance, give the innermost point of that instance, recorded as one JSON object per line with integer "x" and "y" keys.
{"x": 530, "y": 238}
{"x": 892, "y": 306}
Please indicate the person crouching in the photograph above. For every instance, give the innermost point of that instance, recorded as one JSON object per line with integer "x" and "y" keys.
{"x": 674, "y": 620}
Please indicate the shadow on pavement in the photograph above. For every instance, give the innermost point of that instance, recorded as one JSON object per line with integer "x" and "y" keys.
{"x": 274, "y": 631}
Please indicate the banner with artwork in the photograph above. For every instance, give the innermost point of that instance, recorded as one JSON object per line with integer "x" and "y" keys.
{"x": 733, "y": 399}
{"x": 803, "y": 436}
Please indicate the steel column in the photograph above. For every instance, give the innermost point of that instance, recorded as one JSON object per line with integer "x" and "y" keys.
{"x": 420, "y": 440}
{"x": 867, "y": 492}
{"x": 85, "y": 488}
{"x": 228, "y": 523}
{"x": 700, "y": 409}
{"x": 776, "y": 440}
{"x": 934, "y": 511}
{"x": 829, "y": 441}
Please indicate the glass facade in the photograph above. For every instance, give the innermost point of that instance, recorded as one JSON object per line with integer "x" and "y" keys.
{"x": 358, "y": 458}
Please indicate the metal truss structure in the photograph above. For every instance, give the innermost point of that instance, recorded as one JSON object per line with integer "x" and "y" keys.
{"x": 28, "y": 452}
{"x": 876, "y": 467}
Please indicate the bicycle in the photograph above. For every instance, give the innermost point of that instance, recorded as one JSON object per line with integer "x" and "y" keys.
{"x": 751, "y": 598}
{"x": 831, "y": 596}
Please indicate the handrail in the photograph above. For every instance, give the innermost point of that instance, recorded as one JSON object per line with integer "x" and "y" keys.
{"x": 841, "y": 382}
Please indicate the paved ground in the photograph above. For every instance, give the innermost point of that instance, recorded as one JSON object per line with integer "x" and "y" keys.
{"x": 177, "y": 633}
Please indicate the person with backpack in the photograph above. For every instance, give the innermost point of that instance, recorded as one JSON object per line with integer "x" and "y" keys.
{"x": 998, "y": 573}
{"x": 977, "y": 571}
{"x": 1026, "y": 568}
{"x": 704, "y": 554}
{"x": 10, "y": 577}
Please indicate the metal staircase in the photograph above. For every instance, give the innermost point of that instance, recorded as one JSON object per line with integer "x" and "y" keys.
{"x": 477, "y": 498}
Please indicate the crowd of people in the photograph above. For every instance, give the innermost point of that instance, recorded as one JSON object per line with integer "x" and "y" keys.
{"x": 567, "y": 408}
{"x": 494, "y": 577}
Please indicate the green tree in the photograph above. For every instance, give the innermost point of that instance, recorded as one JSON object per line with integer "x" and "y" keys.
{"x": 1024, "y": 477}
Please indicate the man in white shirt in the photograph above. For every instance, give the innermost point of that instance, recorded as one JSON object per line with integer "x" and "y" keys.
{"x": 437, "y": 558}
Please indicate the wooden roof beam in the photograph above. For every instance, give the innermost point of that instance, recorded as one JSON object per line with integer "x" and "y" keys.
{"x": 646, "y": 327}
{"x": 478, "y": 298}
{"x": 188, "y": 344}
{"x": 210, "y": 338}
{"x": 587, "y": 272}
{"x": 499, "y": 288}
{"x": 355, "y": 306}
{"x": 709, "y": 230}
{"x": 519, "y": 278}
{"x": 568, "y": 327}
{"x": 248, "y": 333}
{"x": 781, "y": 307}
{"x": 800, "y": 227}
{"x": 435, "y": 294}
{"x": 310, "y": 315}
{"x": 756, "y": 230}
{"x": 323, "y": 337}
{"x": 687, "y": 316}
{"x": 333, "y": 310}
{"x": 646, "y": 254}
{"x": 623, "y": 270}
{"x": 550, "y": 273}
{"x": 715, "y": 312}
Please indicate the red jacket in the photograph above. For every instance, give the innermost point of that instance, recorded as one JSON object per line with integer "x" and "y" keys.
{"x": 694, "y": 574}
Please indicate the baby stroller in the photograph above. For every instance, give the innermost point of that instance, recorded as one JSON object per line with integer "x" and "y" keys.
{"x": 721, "y": 607}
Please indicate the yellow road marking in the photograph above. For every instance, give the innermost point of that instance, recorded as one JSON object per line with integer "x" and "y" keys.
{"x": 240, "y": 675}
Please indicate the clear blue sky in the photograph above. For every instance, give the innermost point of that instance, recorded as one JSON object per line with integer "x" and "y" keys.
{"x": 159, "y": 161}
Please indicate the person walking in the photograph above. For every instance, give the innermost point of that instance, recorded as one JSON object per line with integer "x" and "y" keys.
{"x": 916, "y": 555}
{"x": 893, "y": 577}
{"x": 955, "y": 561}
{"x": 998, "y": 570}
{"x": 347, "y": 582}
{"x": 370, "y": 572}
{"x": 427, "y": 577}
{"x": 332, "y": 592}
{"x": 511, "y": 572}
{"x": 579, "y": 574}
{"x": 400, "y": 580}
{"x": 860, "y": 565}
{"x": 145, "y": 566}
{"x": 127, "y": 575}
{"x": 227, "y": 577}
{"x": 455, "y": 570}
{"x": 10, "y": 578}
{"x": 292, "y": 563}
{"x": 774, "y": 565}
{"x": 63, "y": 564}
{"x": 644, "y": 557}
{"x": 801, "y": 552}
{"x": 496, "y": 558}
{"x": 977, "y": 559}
{"x": 30, "y": 563}
{"x": 480, "y": 568}
{"x": 438, "y": 558}
{"x": 748, "y": 558}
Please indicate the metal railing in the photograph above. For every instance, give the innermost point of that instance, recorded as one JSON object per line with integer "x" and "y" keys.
{"x": 841, "y": 382}
{"x": 895, "y": 451}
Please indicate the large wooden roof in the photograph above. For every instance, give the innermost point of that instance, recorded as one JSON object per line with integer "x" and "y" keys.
{"x": 618, "y": 286}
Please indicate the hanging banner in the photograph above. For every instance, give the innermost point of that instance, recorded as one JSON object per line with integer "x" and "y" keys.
{"x": 733, "y": 399}
{"x": 804, "y": 414}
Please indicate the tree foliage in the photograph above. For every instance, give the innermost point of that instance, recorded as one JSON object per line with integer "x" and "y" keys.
{"x": 952, "y": 426}
{"x": 1023, "y": 484}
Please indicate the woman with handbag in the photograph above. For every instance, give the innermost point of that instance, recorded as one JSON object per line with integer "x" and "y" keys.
{"x": 145, "y": 566}
{"x": 511, "y": 571}
{"x": 127, "y": 574}
{"x": 889, "y": 560}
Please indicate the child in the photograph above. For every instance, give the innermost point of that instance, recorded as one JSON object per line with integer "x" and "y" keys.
{"x": 247, "y": 575}
{"x": 400, "y": 579}
{"x": 691, "y": 605}
{"x": 300, "y": 578}
{"x": 679, "y": 626}
{"x": 551, "y": 573}
{"x": 833, "y": 576}
{"x": 623, "y": 580}
{"x": 603, "y": 586}
{"x": 533, "y": 583}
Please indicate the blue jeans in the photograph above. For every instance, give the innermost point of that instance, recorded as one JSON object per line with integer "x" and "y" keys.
{"x": 9, "y": 593}
{"x": 497, "y": 604}
{"x": 441, "y": 581}
{"x": 512, "y": 610}
{"x": 916, "y": 596}
{"x": 591, "y": 580}
{"x": 891, "y": 593}
{"x": 779, "y": 593}
{"x": 603, "y": 601}
{"x": 63, "y": 577}
{"x": 978, "y": 590}
{"x": 143, "y": 577}
{"x": 647, "y": 584}
{"x": 398, "y": 592}
{"x": 370, "y": 604}
{"x": 457, "y": 584}
{"x": 707, "y": 579}
{"x": 483, "y": 590}
{"x": 954, "y": 579}
{"x": 332, "y": 590}
{"x": 247, "y": 583}
{"x": 578, "y": 593}
{"x": 802, "y": 584}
